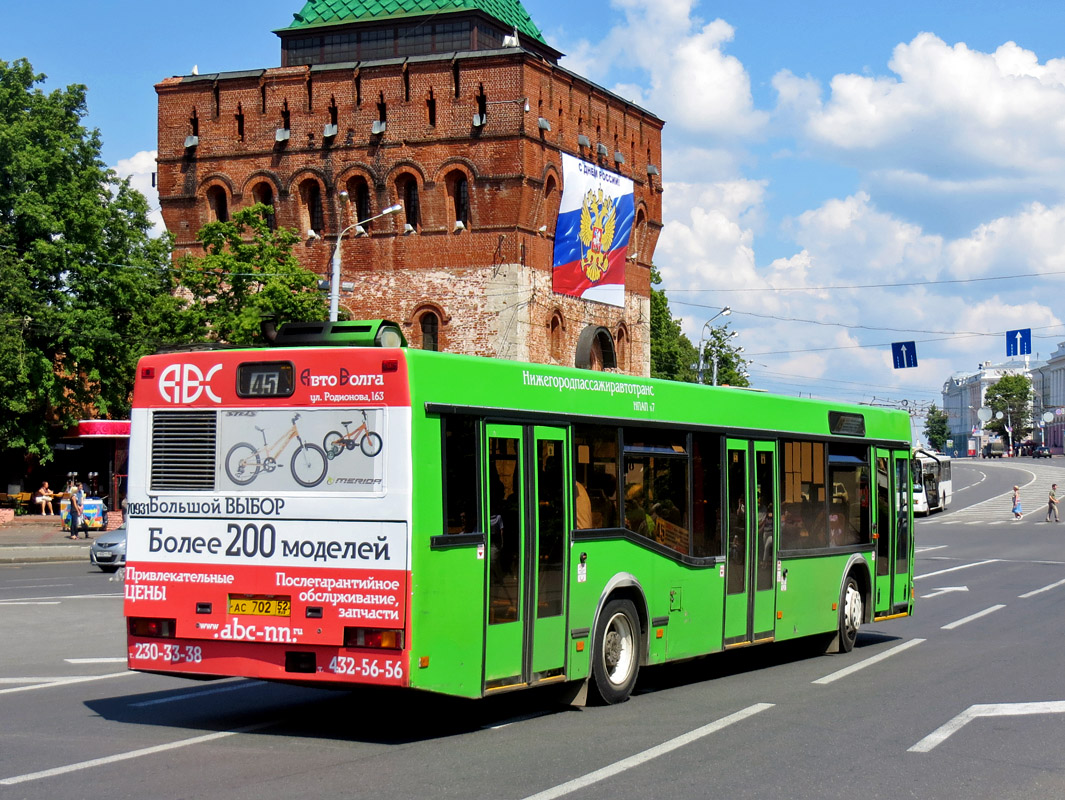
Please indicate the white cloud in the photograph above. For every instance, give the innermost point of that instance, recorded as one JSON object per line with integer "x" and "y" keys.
{"x": 850, "y": 238}
{"x": 1031, "y": 241}
{"x": 691, "y": 81}
{"x": 140, "y": 169}
{"x": 949, "y": 111}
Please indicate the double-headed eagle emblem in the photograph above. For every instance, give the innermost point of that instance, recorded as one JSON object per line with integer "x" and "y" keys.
{"x": 596, "y": 233}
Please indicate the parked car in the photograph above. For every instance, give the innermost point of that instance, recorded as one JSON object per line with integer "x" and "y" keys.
{"x": 920, "y": 501}
{"x": 108, "y": 550}
{"x": 1041, "y": 452}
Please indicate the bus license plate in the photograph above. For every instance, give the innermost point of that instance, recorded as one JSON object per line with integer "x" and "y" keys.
{"x": 260, "y": 606}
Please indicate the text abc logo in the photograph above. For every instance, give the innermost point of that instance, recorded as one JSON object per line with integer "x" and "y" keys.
{"x": 184, "y": 383}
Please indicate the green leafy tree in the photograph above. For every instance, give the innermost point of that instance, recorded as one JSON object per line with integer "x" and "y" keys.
{"x": 1010, "y": 396}
{"x": 672, "y": 353}
{"x": 83, "y": 285}
{"x": 247, "y": 272}
{"x": 731, "y": 367}
{"x": 675, "y": 358}
{"x": 936, "y": 428}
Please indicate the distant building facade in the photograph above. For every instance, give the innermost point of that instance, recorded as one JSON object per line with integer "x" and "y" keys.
{"x": 963, "y": 397}
{"x": 456, "y": 110}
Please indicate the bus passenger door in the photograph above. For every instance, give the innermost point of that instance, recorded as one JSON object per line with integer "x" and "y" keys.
{"x": 751, "y": 523}
{"x": 527, "y": 508}
{"x": 547, "y": 552}
{"x": 737, "y": 527}
{"x": 902, "y": 552}
{"x": 889, "y": 497}
{"x": 764, "y": 557}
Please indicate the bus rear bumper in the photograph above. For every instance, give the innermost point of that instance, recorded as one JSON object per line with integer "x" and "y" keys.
{"x": 198, "y": 658}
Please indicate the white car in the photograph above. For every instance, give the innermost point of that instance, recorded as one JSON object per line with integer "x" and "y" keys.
{"x": 920, "y": 501}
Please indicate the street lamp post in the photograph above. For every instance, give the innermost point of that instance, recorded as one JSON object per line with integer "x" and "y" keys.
{"x": 702, "y": 338}
{"x": 334, "y": 283}
{"x": 732, "y": 335}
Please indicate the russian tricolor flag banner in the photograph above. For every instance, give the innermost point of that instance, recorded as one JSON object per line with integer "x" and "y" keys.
{"x": 592, "y": 232}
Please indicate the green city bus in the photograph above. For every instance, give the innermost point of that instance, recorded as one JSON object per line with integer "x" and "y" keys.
{"x": 338, "y": 508}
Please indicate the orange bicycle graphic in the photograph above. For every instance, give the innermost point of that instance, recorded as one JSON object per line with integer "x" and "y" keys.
{"x": 245, "y": 462}
{"x": 362, "y": 437}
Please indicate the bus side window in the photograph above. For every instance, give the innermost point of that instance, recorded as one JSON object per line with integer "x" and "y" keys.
{"x": 460, "y": 474}
{"x": 595, "y": 466}
{"x": 706, "y": 487}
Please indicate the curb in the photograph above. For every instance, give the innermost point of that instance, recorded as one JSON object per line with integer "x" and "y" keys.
{"x": 29, "y": 554}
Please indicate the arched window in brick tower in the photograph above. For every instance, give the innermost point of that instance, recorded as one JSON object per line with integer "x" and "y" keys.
{"x": 557, "y": 335}
{"x": 359, "y": 193}
{"x": 429, "y": 325}
{"x": 217, "y": 204}
{"x": 638, "y": 231}
{"x": 552, "y": 198}
{"x": 312, "y": 213}
{"x": 458, "y": 191}
{"x": 264, "y": 193}
{"x": 407, "y": 191}
{"x": 621, "y": 347}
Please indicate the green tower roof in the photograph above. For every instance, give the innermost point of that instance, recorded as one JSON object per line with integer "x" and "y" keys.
{"x": 317, "y": 13}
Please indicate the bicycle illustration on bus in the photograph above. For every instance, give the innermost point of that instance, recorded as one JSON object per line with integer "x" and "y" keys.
{"x": 245, "y": 462}
{"x": 362, "y": 437}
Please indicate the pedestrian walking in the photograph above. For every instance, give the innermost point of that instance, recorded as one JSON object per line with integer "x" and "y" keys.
{"x": 1017, "y": 513}
{"x": 1052, "y": 503}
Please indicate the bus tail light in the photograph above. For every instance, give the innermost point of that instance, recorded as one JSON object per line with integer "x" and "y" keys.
{"x": 151, "y": 628}
{"x": 378, "y": 638}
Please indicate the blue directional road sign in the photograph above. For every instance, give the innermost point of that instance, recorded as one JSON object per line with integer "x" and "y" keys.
{"x": 1019, "y": 343}
{"x": 904, "y": 354}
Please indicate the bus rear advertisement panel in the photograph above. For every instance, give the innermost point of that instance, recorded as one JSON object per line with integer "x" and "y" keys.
{"x": 268, "y": 516}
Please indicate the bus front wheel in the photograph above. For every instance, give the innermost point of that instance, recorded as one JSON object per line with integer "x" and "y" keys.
{"x": 851, "y": 612}
{"x": 615, "y": 651}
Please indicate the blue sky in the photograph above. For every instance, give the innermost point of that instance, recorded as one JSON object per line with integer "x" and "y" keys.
{"x": 807, "y": 145}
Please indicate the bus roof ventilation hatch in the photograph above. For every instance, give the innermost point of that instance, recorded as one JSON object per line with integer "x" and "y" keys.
{"x": 362, "y": 333}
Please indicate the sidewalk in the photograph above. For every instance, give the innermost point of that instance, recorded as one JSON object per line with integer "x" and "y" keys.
{"x": 33, "y": 538}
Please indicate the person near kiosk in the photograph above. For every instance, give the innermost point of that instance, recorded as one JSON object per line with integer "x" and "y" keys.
{"x": 77, "y": 512}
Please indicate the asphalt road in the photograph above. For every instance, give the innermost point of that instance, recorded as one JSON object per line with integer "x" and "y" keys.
{"x": 964, "y": 700}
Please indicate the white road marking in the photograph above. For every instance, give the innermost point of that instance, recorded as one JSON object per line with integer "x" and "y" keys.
{"x": 868, "y": 662}
{"x": 1034, "y": 592}
{"x": 955, "y": 569}
{"x": 942, "y": 733}
{"x": 35, "y": 679}
{"x": 970, "y": 618}
{"x": 522, "y": 718}
{"x": 201, "y": 693}
{"x": 944, "y": 590}
{"x": 647, "y": 755}
{"x": 45, "y": 586}
{"x": 29, "y": 603}
{"x": 930, "y": 549}
{"x": 65, "y": 681}
{"x": 14, "y": 600}
{"x": 109, "y": 660}
{"x": 144, "y": 751}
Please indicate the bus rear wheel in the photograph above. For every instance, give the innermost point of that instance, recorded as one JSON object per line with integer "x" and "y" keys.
{"x": 615, "y": 651}
{"x": 851, "y": 612}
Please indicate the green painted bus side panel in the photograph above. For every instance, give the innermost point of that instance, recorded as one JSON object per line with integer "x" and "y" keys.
{"x": 447, "y": 587}
{"x": 689, "y": 597}
{"x": 695, "y": 626}
{"x": 813, "y": 586}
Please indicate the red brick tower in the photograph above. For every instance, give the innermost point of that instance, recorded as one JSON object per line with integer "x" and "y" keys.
{"x": 458, "y": 111}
